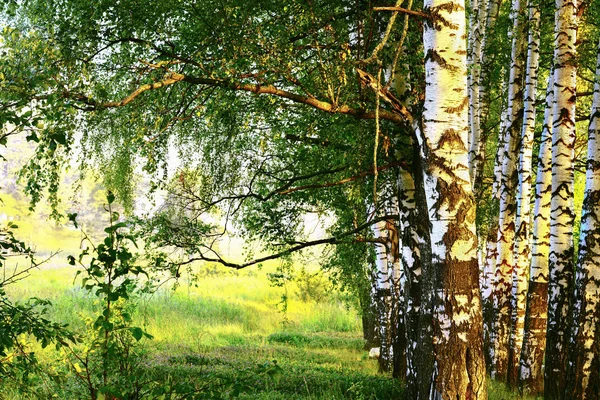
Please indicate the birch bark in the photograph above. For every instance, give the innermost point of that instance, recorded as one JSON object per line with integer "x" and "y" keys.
{"x": 586, "y": 349}
{"x": 476, "y": 33}
{"x": 531, "y": 376}
{"x": 459, "y": 363}
{"x": 383, "y": 294}
{"x": 562, "y": 216}
{"x": 522, "y": 244}
{"x": 508, "y": 183}
{"x": 411, "y": 260}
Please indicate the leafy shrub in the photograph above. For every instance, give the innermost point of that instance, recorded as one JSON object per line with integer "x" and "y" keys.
{"x": 312, "y": 286}
{"x": 21, "y": 320}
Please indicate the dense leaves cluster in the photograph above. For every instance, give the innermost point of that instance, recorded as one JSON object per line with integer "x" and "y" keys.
{"x": 20, "y": 320}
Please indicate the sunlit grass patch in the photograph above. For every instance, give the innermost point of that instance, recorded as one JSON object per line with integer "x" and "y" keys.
{"x": 223, "y": 329}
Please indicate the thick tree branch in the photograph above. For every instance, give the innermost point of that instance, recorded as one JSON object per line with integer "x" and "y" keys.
{"x": 404, "y": 11}
{"x": 400, "y": 116}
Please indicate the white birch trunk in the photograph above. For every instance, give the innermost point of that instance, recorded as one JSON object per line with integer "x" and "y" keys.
{"x": 383, "y": 293}
{"x": 499, "y": 159}
{"x": 586, "y": 371}
{"x": 476, "y": 34}
{"x": 416, "y": 258}
{"x": 522, "y": 239}
{"x": 460, "y": 365}
{"x": 487, "y": 292}
{"x": 410, "y": 255}
{"x": 562, "y": 215}
{"x": 506, "y": 221}
{"x": 397, "y": 334}
{"x": 534, "y": 342}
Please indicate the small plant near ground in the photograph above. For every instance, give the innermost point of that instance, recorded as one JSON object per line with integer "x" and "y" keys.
{"x": 107, "y": 365}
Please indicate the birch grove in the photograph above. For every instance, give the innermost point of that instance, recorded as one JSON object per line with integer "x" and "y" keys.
{"x": 585, "y": 374}
{"x": 418, "y": 137}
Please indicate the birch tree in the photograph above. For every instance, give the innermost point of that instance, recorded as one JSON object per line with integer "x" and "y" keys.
{"x": 522, "y": 245}
{"x": 460, "y": 365}
{"x": 531, "y": 374}
{"x": 416, "y": 258}
{"x": 238, "y": 82}
{"x": 508, "y": 183}
{"x": 562, "y": 215}
{"x": 383, "y": 292}
{"x": 585, "y": 371}
{"x": 475, "y": 62}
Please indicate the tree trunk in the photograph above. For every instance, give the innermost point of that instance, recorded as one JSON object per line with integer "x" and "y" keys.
{"x": 585, "y": 377}
{"x": 493, "y": 8}
{"x": 522, "y": 245}
{"x": 383, "y": 295}
{"x": 369, "y": 323}
{"x": 508, "y": 183}
{"x": 487, "y": 291}
{"x": 476, "y": 34}
{"x": 531, "y": 375}
{"x": 459, "y": 363}
{"x": 562, "y": 215}
{"x": 417, "y": 310}
{"x": 397, "y": 333}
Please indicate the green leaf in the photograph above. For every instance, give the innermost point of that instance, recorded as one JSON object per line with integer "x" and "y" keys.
{"x": 32, "y": 137}
{"x": 73, "y": 218}
{"x": 60, "y": 138}
{"x": 137, "y": 333}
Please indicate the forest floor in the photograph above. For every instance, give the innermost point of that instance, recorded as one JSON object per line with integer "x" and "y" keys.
{"x": 227, "y": 334}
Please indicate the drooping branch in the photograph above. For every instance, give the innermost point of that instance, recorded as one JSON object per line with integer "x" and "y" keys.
{"x": 342, "y": 181}
{"x": 287, "y": 187}
{"x": 296, "y": 247}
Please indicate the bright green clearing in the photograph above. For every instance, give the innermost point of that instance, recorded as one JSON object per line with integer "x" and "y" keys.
{"x": 227, "y": 328}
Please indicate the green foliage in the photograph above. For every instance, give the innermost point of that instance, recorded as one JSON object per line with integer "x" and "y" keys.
{"x": 18, "y": 321}
{"x": 107, "y": 363}
{"x": 312, "y": 286}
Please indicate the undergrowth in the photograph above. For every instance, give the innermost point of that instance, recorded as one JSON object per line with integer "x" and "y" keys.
{"x": 220, "y": 335}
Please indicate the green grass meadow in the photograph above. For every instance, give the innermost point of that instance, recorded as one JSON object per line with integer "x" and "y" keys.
{"x": 225, "y": 327}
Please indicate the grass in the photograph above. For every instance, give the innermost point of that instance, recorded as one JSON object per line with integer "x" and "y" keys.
{"x": 226, "y": 330}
